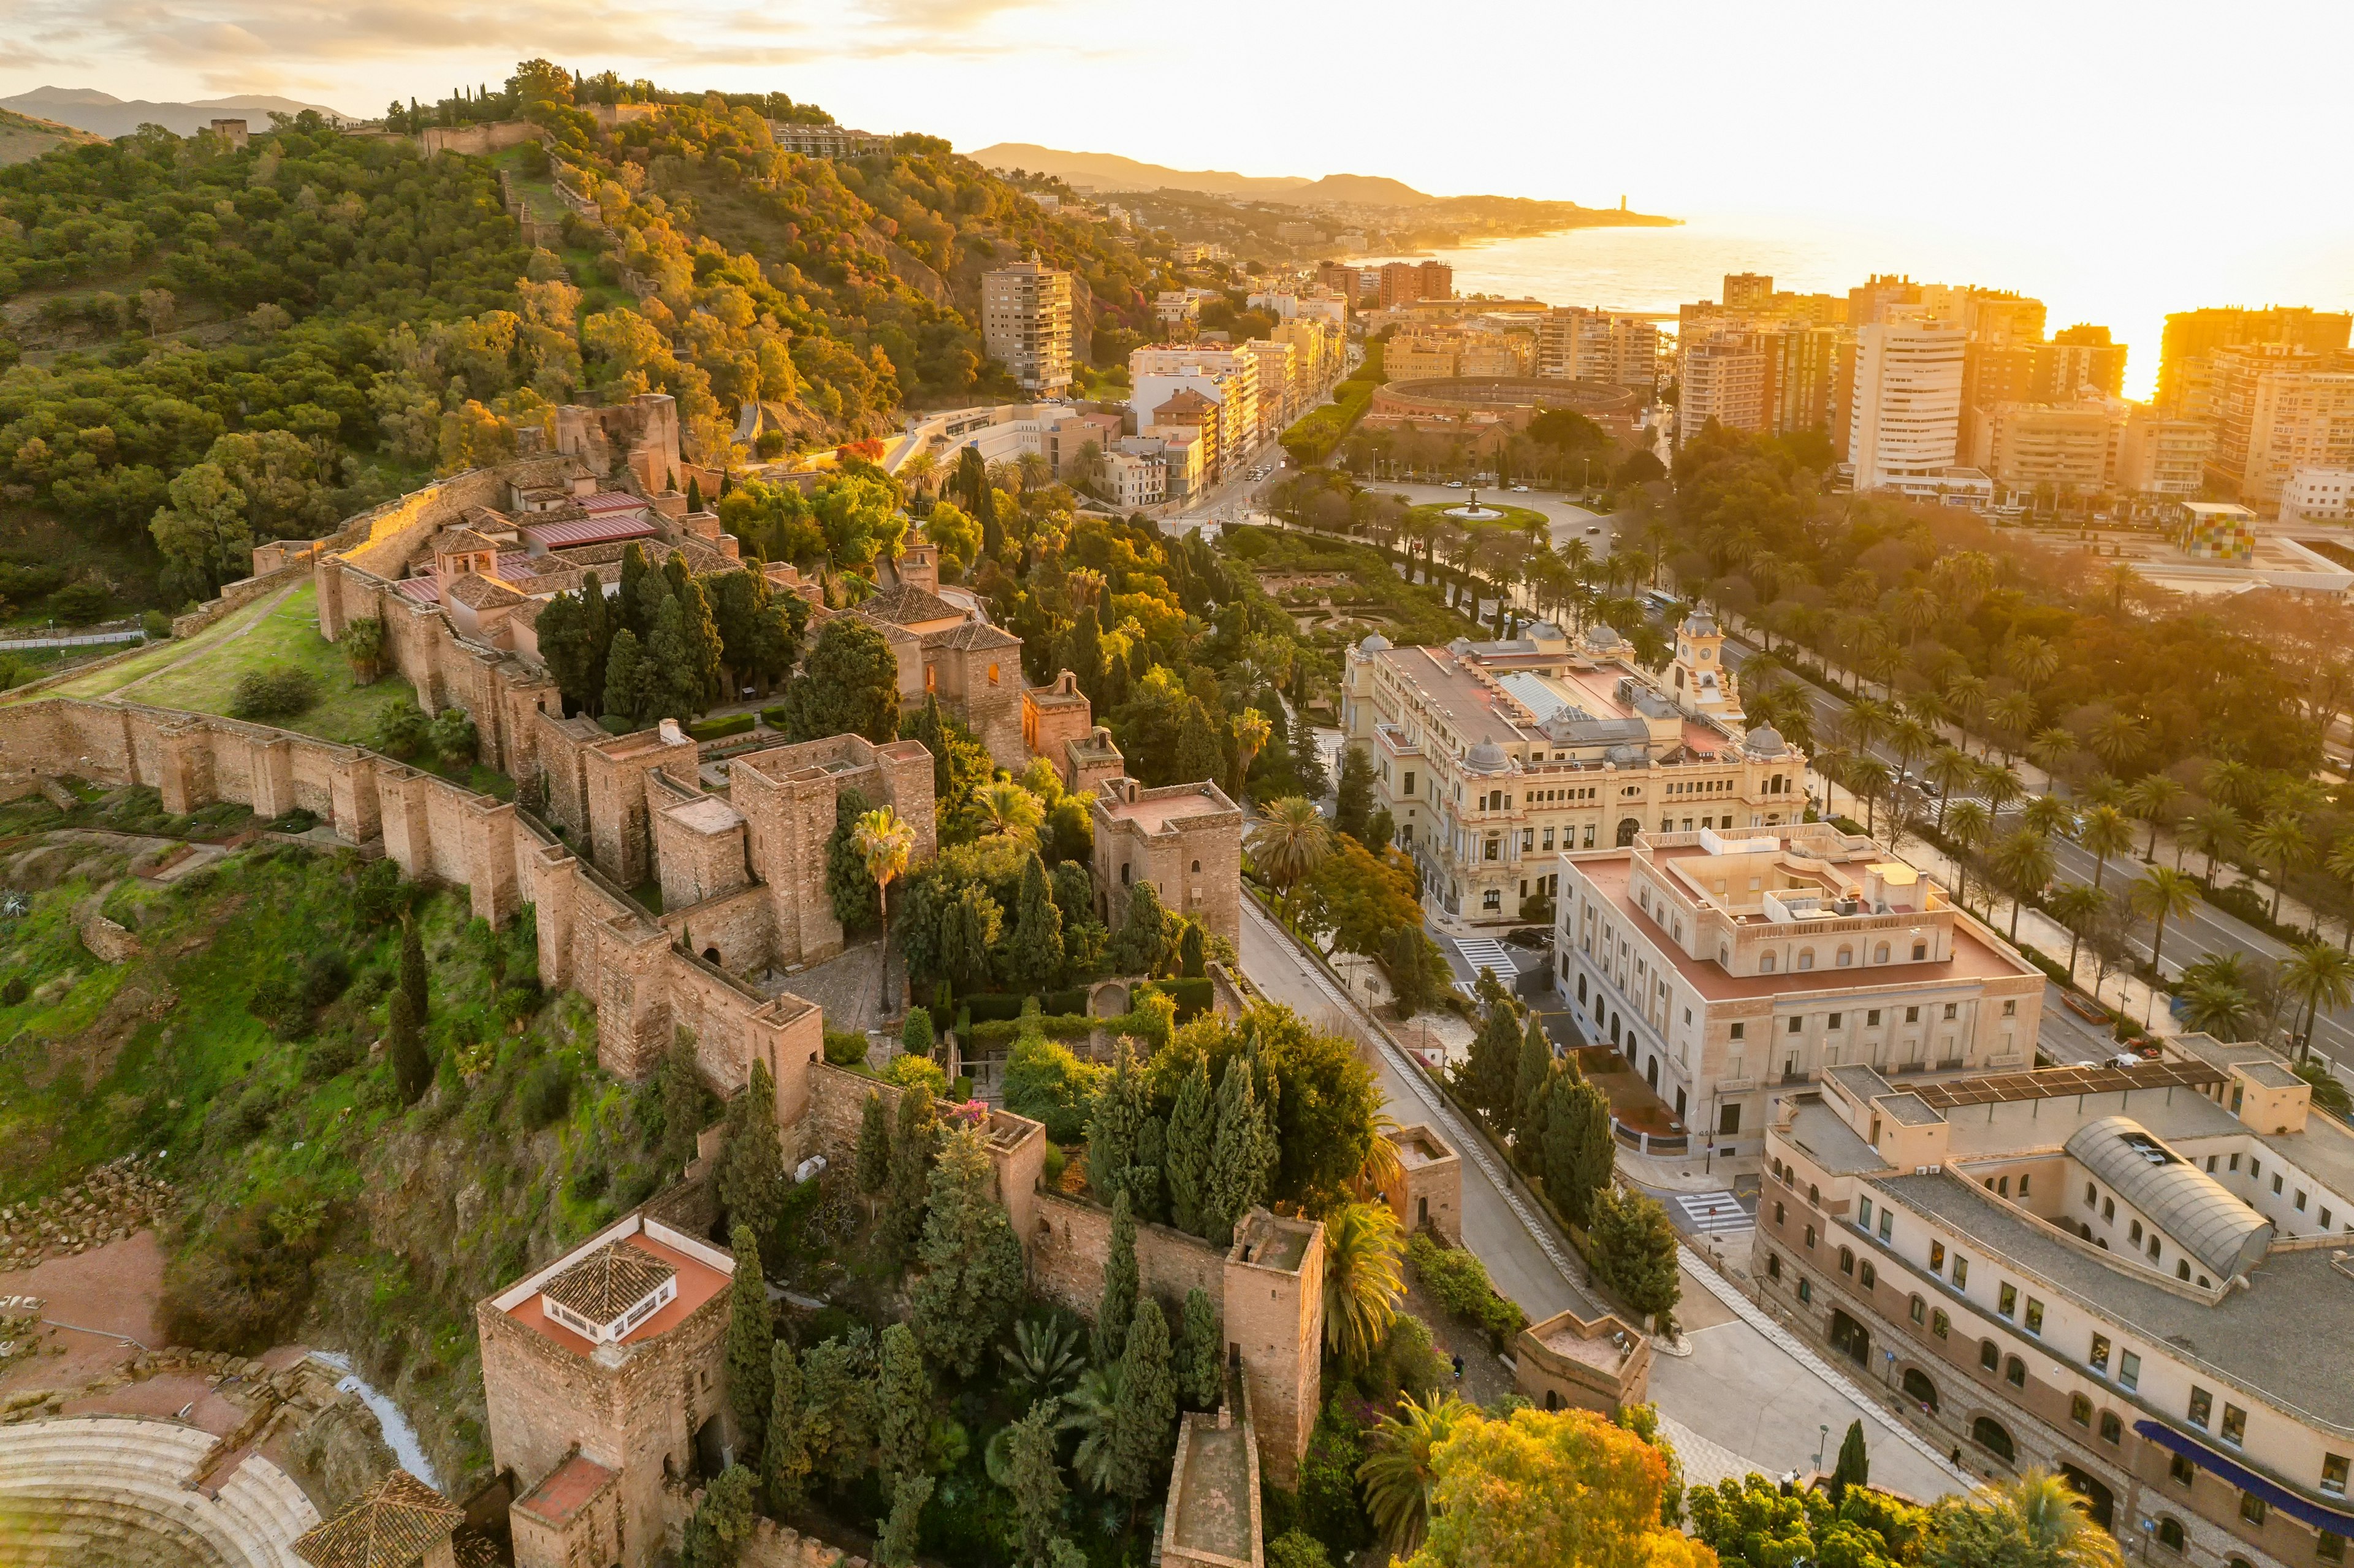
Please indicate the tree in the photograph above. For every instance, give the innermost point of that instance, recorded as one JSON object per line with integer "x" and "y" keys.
{"x": 785, "y": 1458}
{"x": 1532, "y": 1084}
{"x": 1141, "y": 945}
{"x": 1634, "y": 1253}
{"x": 1044, "y": 1360}
{"x": 1199, "y": 755}
{"x": 1034, "y": 955}
{"x": 2321, "y": 977}
{"x": 1541, "y": 1488}
{"x": 1095, "y": 1405}
{"x": 1251, "y": 730}
{"x": 2280, "y": 840}
{"x": 973, "y": 1268}
{"x": 2152, "y": 799}
{"x": 1037, "y": 1479}
{"x": 1241, "y": 1158}
{"x": 2216, "y": 831}
{"x": 412, "y": 971}
{"x": 884, "y": 843}
{"x": 913, "y": 1143}
{"x": 751, "y": 1343}
{"x": 752, "y": 1162}
{"x": 1490, "y": 1074}
{"x": 2075, "y": 906}
{"x": 1117, "y": 1306}
{"x": 630, "y": 679}
{"x": 2105, "y": 832}
{"x": 1414, "y": 968}
{"x": 722, "y": 1523}
{"x": 412, "y": 1069}
{"x": 903, "y": 1404}
{"x": 1362, "y": 1281}
{"x": 1192, "y": 1129}
{"x": 849, "y": 684}
{"x": 895, "y": 1537}
{"x": 853, "y": 894}
{"x": 1288, "y": 842}
{"x": 1397, "y": 1473}
{"x": 1147, "y": 1411}
{"x": 2025, "y": 862}
{"x": 2035, "y": 1519}
{"x": 1353, "y": 806}
{"x": 1854, "y": 1467}
{"x": 1579, "y": 1153}
{"x": 2160, "y": 894}
{"x": 874, "y": 1165}
{"x": 1116, "y": 1128}
{"x": 1203, "y": 1365}
{"x": 837, "y": 1410}
{"x": 1008, "y": 810}
{"x": 1358, "y": 898}
{"x": 362, "y": 648}
{"x": 203, "y": 534}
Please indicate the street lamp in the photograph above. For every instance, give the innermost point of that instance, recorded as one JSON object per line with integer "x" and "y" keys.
{"x": 1822, "y": 1441}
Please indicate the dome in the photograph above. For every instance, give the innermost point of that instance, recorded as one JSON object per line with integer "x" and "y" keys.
{"x": 1622, "y": 755}
{"x": 1602, "y": 634}
{"x": 1486, "y": 757}
{"x": 1700, "y": 623}
{"x": 1374, "y": 642}
{"x": 1541, "y": 629}
{"x": 1763, "y": 741}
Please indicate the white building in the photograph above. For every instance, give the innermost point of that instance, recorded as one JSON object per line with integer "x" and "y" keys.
{"x": 1136, "y": 480}
{"x": 1223, "y": 373}
{"x": 1025, "y": 325}
{"x": 2319, "y": 495}
{"x": 1906, "y": 418}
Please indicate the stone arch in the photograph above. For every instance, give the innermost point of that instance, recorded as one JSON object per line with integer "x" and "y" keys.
{"x": 1994, "y": 1438}
{"x": 1627, "y": 828}
{"x": 1921, "y": 1388}
{"x": 1108, "y": 998}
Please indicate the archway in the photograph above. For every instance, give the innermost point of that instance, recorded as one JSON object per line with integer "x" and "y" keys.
{"x": 1627, "y": 828}
{"x": 1850, "y": 1339}
{"x": 711, "y": 956}
{"x": 2100, "y": 1503}
{"x": 1920, "y": 1389}
{"x": 1990, "y": 1435}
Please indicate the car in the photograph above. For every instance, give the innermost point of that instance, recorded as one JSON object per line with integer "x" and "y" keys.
{"x": 1454, "y": 484}
{"x": 1596, "y": 529}
{"x": 1520, "y": 490}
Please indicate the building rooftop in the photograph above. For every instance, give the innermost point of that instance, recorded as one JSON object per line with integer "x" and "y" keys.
{"x": 698, "y": 1278}
{"x": 2183, "y": 1201}
{"x": 1210, "y": 1519}
{"x": 608, "y": 529}
{"x": 709, "y": 814}
{"x": 1154, "y": 811}
{"x": 393, "y": 1525}
{"x": 908, "y": 604}
{"x": 608, "y": 1281}
{"x": 972, "y": 637}
{"x": 478, "y": 592}
{"x": 1272, "y": 1241}
{"x": 567, "y": 1489}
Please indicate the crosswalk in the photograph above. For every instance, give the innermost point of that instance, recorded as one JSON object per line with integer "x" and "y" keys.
{"x": 1715, "y": 1213}
{"x": 1486, "y": 953}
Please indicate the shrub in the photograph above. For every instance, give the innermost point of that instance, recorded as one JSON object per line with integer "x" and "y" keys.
{"x": 1459, "y": 1283}
{"x": 281, "y": 693}
{"x": 156, "y": 625}
{"x": 332, "y": 1056}
{"x": 546, "y": 1095}
{"x": 909, "y": 1071}
{"x": 15, "y": 990}
{"x": 845, "y": 1048}
{"x": 716, "y": 728}
{"x": 325, "y": 975}
{"x": 776, "y": 716}
{"x": 1054, "y": 1163}
{"x": 1047, "y": 1083}
{"x": 1000, "y": 1007}
{"x": 401, "y": 729}
{"x": 454, "y": 737}
{"x": 78, "y": 604}
{"x": 241, "y": 1288}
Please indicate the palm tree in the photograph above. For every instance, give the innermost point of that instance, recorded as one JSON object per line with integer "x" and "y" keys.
{"x": 1251, "y": 730}
{"x": 2024, "y": 860}
{"x": 2341, "y": 866}
{"x": 2050, "y": 815}
{"x": 918, "y": 469}
{"x": 1868, "y": 780}
{"x": 1362, "y": 1246}
{"x": 2162, "y": 894}
{"x": 2014, "y": 715}
{"x": 1289, "y": 841}
{"x": 1397, "y": 1475}
{"x": 1382, "y": 1171}
{"x": 2117, "y": 739}
{"x": 1950, "y": 769}
{"x": 2049, "y": 748}
{"x": 885, "y": 842}
{"x": 1966, "y": 826}
{"x": 2105, "y": 831}
{"x": 2217, "y": 1007}
{"x": 2050, "y": 1514}
{"x": 2001, "y": 787}
{"x": 1009, "y": 810}
{"x": 2215, "y": 832}
{"x": 1910, "y": 738}
{"x": 1044, "y": 1358}
{"x": 1094, "y": 1408}
{"x": 2152, "y": 799}
{"x": 2280, "y": 840}
{"x": 2031, "y": 660}
{"x": 2321, "y": 977}
{"x": 1967, "y": 695}
{"x": 2234, "y": 783}
{"x": 2075, "y": 905}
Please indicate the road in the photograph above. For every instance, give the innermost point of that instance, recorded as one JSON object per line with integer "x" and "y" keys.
{"x": 2205, "y": 932}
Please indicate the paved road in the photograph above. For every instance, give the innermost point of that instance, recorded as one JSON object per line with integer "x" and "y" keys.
{"x": 2204, "y": 932}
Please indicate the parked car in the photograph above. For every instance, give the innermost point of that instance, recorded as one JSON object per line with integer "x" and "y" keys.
{"x": 1454, "y": 484}
{"x": 1520, "y": 490}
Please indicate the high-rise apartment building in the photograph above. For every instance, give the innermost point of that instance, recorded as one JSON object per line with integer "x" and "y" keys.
{"x": 1802, "y": 376}
{"x": 1574, "y": 343}
{"x": 2278, "y": 408}
{"x": 2193, "y": 337}
{"x": 1906, "y": 419}
{"x": 1403, "y": 282}
{"x": 1224, "y": 373}
{"x": 1025, "y": 325}
{"x": 1721, "y": 378}
{"x": 2077, "y": 357}
{"x": 2162, "y": 456}
{"x": 2071, "y": 447}
{"x": 1279, "y": 400}
{"x": 1748, "y": 291}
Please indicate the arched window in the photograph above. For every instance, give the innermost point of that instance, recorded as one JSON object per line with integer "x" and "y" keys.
{"x": 2112, "y": 1429}
{"x": 1988, "y": 1434}
{"x": 2170, "y": 1534}
{"x": 1870, "y": 1277}
{"x": 2080, "y": 1410}
{"x": 1917, "y": 1309}
{"x": 1989, "y": 1355}
{"x": 1920, "y": 951}
{"x": 2014, "y": 1372}
{"x": 1197, "y": 868}
{"x": 1920, "y": 1390}
{"x": 1814, "y": 1195}
{"x": 1773, "y": 1266}
{"x": 1880, "y": 954}
{"x": 1847, "y": 1260}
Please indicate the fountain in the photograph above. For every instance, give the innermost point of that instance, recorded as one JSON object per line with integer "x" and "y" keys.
{"x": 1472, "y": 512}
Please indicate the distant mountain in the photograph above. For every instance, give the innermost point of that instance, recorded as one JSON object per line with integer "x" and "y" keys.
{"x": 23, "y": 137}
{"x": 103, "y": 115}
{"x": 1110, "y": 171}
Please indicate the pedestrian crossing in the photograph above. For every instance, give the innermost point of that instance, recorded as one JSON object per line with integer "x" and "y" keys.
{"x": 1486, "y": 953}
{"x": 1715, "y": 1213}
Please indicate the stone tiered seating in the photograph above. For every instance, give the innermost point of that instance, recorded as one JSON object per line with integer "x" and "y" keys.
{"x": 112, "y": 1490}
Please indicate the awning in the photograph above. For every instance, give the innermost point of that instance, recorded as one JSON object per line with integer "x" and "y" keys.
{"x": 2247, "y": 1480}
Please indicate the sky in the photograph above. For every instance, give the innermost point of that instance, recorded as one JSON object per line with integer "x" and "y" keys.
{"x": 2142, "y": 133}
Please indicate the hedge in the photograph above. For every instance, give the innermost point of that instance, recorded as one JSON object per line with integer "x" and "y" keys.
{"x": 1192, "y": 993}
{"x": 988, "y": 1006}
{"x": 713, "y": 729}
{"x": 844, "y": 1048}
{"x": 774, "y": 717}
{"x": 1053, "y": 1025}
{"x": 1459, "y": 1282}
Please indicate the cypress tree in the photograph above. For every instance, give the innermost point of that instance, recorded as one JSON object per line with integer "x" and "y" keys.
{"x": 1854, "y": 1467}
{"x": 1193, "y": 952}
{"x": 412, "y": 1069}
{"x": 895, "y": 1537}
{"x": 915, "y": 1036}
{"x": 694, "y": 493}
{"x": 1530, "y": 1084}
{"x": 1147, "y": 1407}
{"x": 1192, "y": 1128}
{"x": 903, "y": 1400}
{"x": 1596, "y": 1152}
{"x": 675, "y": 686}
{"x": 632, "y": 603}
{"x": 1204, "y": 1361}
{"x": 1200, "y": 755}
{"x": 598, "y": 626}
{"x": 1085, "y": 653}
{"x": 1117, "y": 1305}
{"x": 1115, "y": 1128}
{"x": 1034, "y": 953}
{"x": 716, "y": 1535}
{"x": 786, "y": 1459}
{"x": 751, "y": 1348}
{"x": 1037, "y": 1481}
{"x": 873, "y": 1146}
{"x": 1490, "y": 1074}
{"x": 412, "y": 971}
{"x": 752, "y": 1163}
{"x": 973, "y": 1272}
{"x": 704, "y": 646}
{"x": 629, "y": 679}
{"x": 1144, "y": 1171}
{"x": 911, "y": 1171}
{"x": 1234, "y": 1183}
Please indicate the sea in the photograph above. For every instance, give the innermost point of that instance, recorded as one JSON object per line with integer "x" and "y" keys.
{"x": 2125, "y": 280}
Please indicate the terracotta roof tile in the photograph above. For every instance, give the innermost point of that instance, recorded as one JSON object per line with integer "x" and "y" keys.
{"x": 907, "y": 606}
{"x": 392, "y": 1527}
{"x": 483, "y": 593}
{"x": 608, "y": 1282}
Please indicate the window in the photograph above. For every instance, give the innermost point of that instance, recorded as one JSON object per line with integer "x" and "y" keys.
{"x": 1912, "y": 1015}
{"x": 1939, "y": 1324}
{"x": 2329, "y": 1548}
{"x": 1765, "y": 964}
{"x": 1814, "y": 1195}
{"x": 2112, "y": 1429}
{"x": 1937, "y": 1258}
{"x": 2109, "y": 1209}
{"x": 1921, "y": 951}
{"x": 1870, "y": 1277}
{"x": 1918, "y": 1311}
{"x": 2135, "y": 1234}
{"x": 2202, "y": 1407}
{"x": 1952, "y": 1009}
{"x": 1880, "y": 954}
{"x": 1846, "y": 957}
{"x": 2099, "y": 1358}
{"x": 2091, "y": 1195}
{"x": 1805, "y": 1290}
{"x": 2023, "y": 1181}
{"x": 1847, "y": 1261}
{"x": 1773, "y": 1266}
{"x": 1810, "y": 1238}
{"x": 2014, "y": 1372}
{"x": 2255, "y": 1167}
{"x": 2333, "y": 1474}
{"x": 1989, "y": 1355}
{"x": 2080, "y": 1410}
{"x": 1887, "y": 1222}
{"x": 2180, "y": 1471}
{"x": 1778, "y": 1214}
{"x": 2235, "y": 1163}
{"x": 1806, "y": 957}
{"x": 2010, "y": 1009}
{"x": 1738, "y": 1030}
{"x": 1872, "y": 1019}
{"x": 1961, "y": 1271}
{"x": 2252, "y": 1508}
{"x": 1797, "y": 1026}
{"x": 2006, "y": 1300}
{"x": 1833, "y": 1021}
{"x": 2235, "y": 1425}
{"x": 1863, "y": 1213}
{"x": 2277, "y": 1183}
{"x": 2034, "y": 1316}
{"x": 2170, "y": 1534}
{"x": 2128, "y": 1369}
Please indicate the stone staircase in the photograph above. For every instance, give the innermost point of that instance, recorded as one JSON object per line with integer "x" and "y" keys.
{"x": 111, "y": 1492}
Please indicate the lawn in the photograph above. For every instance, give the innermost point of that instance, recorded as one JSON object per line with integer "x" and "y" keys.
{"x": 201, "y": 674}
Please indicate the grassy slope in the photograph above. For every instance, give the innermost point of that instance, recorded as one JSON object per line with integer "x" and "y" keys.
{"x": 425, "y": 1209}
{"x": 23, "y": 138}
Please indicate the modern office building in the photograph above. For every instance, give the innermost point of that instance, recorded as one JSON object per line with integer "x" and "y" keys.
{"x": 1025, "y": 325}
{"x": 2319, "y": 495}
{"x": 1905, "y": 420}
{"x": 1722, "y": 377}
{"x": 2135, "y": 1276}
{"x": 1723, "y": 960}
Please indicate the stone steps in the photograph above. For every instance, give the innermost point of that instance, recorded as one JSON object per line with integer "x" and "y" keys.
{"x": 112, "y": 1490}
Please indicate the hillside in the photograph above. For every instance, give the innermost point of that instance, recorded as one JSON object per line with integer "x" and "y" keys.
{"x": 103, "y": 115}
{"x": 25, "y": 136}
{"x": 1110, "y": 171}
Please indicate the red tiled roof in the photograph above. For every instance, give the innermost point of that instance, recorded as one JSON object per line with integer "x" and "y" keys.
{"x": 568, "y": 1488}
{"x": 612, "y": 500}
{"x": 392, "y": 1527}
{"x": 609, "y": 529}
